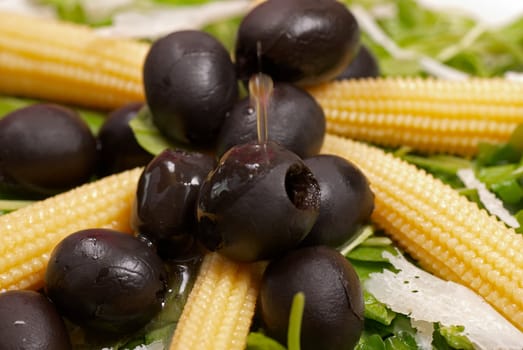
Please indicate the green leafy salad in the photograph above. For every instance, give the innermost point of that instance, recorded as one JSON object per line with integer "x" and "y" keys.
{"x": 457, "y": 44}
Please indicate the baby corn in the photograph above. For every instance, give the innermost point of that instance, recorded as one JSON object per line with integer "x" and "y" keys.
{"x": 219, "y": 311}
{"x": 449, "y": 235}
{"x": 428, "y": 115}
{"x": 68, "y": 63}
{"x": 28, "y": 235}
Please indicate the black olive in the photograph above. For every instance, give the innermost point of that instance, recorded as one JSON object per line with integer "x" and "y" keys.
{"x": 45, "y": 149}
{"x": 119, "y": 149}
{"x": 260, "y": 201}
{"x": 300, "y": 41}
{"x": 296, "y": 121}
{"x": 29, "y": 321}
{"x": 106, "y": 280}
{"x": 346, "y": 200}
{"x": 333, "y": 315}
{"x": 364, "y": 65}
{"x": 190, "y": 83}
{"x": 165, "y": 204}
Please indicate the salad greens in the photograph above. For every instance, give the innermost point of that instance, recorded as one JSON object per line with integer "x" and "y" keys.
{"x": 454, "y": 40}
{"x": 259, "y": 341}
{"x": 100, "y": 14}
{"x": 296, "y": 315}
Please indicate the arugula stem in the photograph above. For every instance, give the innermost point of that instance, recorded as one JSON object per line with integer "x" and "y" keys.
{"x": 295, "y": 318}
{"x": 363, "y": 235}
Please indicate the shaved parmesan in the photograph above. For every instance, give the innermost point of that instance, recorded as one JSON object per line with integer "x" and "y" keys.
{"x": 160, "y": 21}
{"x": 492, "y": 203}
{"x": 27, "y": 7}
{"x": 424, "y": 332}
{"x": 424, "y": 297}
{"x": 157, "y": 345}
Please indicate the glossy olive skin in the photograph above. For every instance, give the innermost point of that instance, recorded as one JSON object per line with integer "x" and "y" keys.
{"x": 165, "y": 202}
{"x": 45, "y": 149}
{"x": 333, "y": 315}
{"x": 364, "y": 65}
{"x": 260, "y": 201}
{"x": 346, "y": 200}
{"x": 304, "y": 42}
{"x": 295, "y": 120}
{"x": 190, "y": 83}
{"x": 106, "y": 280}
{"x": 119, "y": 149}
{"x": 29, "y": 321}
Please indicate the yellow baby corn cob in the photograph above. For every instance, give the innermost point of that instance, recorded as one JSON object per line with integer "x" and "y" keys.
{"x": 428, "y": 115}
{"x": 449, "y": 235}
{"x": 28, "y": 235}
{"x": 68, "y": 63}
{"x": 219, "y": 311}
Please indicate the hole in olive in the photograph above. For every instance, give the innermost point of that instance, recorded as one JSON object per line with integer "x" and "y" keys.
{"x": 302, "y": 188}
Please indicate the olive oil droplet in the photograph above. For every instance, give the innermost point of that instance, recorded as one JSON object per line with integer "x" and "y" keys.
{"x": 260, "y": 88}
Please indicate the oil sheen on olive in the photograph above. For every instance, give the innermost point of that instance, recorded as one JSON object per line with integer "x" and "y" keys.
{"x": 295, "y": 120}
{"x": 45, "y": 149}
{"x": 29, "y": 321}
{"x": 190, "y": 83}
{"x": 333, "y": 316}
{"x": 299, "y": 41}
{"x": 346, "y": 200}
{"x": 260, "y": 201}
{"x": 165, "y": 204}
{"x": 364, "y": 65}
{"x": 119, "y": 149}
{"x": 106, "y": 280}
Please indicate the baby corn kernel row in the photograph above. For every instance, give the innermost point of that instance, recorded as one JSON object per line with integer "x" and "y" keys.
{"x": 68, "y": 63}
{"x": 449, "y": 235}
{"x": 220, "y": 308}
{"x": 428, "y": 114}
{"x": 28, "y": 235}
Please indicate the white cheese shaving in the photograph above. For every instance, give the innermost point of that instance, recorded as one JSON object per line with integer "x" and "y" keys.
{"x": 27, "y": 7}
{"x": 492, "y": 203}
{"x": 424, "y": 297}
{"x": 424, "y": 332}
{"x": 160, "y": 21}
{"x": 514, "y": 76}
{"x": 98, "y": 10}
{"x": 157, "y": 345}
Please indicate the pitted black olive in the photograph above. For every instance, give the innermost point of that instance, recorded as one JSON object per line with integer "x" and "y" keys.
{"x": 119, "y": 149}
{"x": 333, "y": 316}
{"x": 364, "y": 65}
{"x": 346, "y": 200}
{"x": 295, "y": 120}
{"x": 29, "y": 321}
{"x": 165, "y": 203}
{"x": 299, "y": 41}
{"x": 45, "y": 149}
{"x": 260, "y": 201}
{"x": 106, "y": 280}
{"x": 190, "y": 83}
